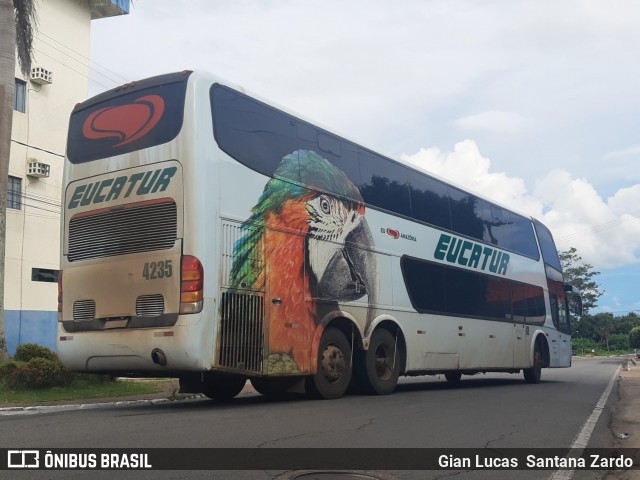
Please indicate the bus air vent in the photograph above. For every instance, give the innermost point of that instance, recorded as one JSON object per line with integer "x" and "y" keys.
{"x": 149, "y": 305}
{"x": 84, "y": 310}
{"x": 241, "y": 331}
{"x": 133, "y": 229}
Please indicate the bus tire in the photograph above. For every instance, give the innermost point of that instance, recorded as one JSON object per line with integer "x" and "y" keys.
{"x": 273, "y": 387}
{"x": 224, "y": 387}
{"x": 261, "y": 385}
{"x": 453, "y": 377}
{"x": 533, "y": 375}
{"x": 381, "y": 364}
{"x": 334, "y": 372}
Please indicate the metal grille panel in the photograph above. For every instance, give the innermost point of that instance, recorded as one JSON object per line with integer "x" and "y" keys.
{"x": 84, "y": 310}
{"x": 136, "y": 229}
{"x": 241, "y": 331}
{"x": 150, "y": 305}
{"x": 232, "y": 234}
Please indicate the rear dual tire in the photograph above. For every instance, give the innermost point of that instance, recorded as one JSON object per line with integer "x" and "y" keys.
{"x": 333, "y": 373}
{"x": 223, "y": 387}
{"x": 379, "y": 366}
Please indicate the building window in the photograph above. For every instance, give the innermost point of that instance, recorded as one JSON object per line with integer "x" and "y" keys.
{"x": 20, "y": 101}
{"x": 44, "y": 275}
{"x": 14, "y": 193}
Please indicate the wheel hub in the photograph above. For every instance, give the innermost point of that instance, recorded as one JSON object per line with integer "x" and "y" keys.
{"x": 333, "y": 363}
{"x": 383, "y": 368}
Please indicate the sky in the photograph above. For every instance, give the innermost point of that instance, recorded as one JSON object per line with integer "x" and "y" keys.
{"x": 534, "y": 104}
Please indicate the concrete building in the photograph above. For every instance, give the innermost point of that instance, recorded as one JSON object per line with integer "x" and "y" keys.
{"x": 59, "y": 79}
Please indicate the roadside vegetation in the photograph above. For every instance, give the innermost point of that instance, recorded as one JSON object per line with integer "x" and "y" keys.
{"x": 602, "y": 333}
{"x": 606, "y": 334}
{"x": 35, "y": 375}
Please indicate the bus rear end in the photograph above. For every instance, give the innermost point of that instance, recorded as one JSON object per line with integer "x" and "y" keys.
{"x": 131, "y": 290}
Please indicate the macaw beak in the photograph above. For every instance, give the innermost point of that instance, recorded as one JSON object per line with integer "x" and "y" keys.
{"x": 351, "y": 271}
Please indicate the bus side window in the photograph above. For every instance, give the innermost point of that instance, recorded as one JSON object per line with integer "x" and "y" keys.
{"x": 564, "y": 324}
{"x": 464, "y": 214}
{"x": 384, "y": 184}
{"x": 553, "y": 300}
{"x": 429, "y": 200}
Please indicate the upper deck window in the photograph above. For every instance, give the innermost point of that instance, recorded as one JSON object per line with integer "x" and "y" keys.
{"x": 259, "y": 136}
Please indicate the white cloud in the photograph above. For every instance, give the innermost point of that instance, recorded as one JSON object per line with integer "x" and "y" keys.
{"x": 492, "y": 121}
{"x": 624, "y": 153}
{"x": 606, "y": 232}
{"x": 465, "y": 166}
{"x": 397, "y": 77}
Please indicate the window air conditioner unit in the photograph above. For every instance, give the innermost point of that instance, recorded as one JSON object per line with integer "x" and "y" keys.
{"x": 41, "y": 76}
{"x": 37, "y": 169}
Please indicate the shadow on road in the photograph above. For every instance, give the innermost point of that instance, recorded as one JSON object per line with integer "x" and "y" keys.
{"x": 407, "y": 385}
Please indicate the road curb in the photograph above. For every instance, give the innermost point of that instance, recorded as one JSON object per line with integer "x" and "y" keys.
{"x": 4, "y": 411}
{"x": 30, "y": 410}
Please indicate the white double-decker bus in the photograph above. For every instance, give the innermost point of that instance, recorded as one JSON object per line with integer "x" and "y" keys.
{"x": 213, "y": 237}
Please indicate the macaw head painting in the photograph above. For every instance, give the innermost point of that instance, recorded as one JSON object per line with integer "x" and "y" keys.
{"x": 317, "y": 246}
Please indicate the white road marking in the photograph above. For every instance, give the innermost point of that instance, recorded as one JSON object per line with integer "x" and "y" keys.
{"x": 582, "y": 439}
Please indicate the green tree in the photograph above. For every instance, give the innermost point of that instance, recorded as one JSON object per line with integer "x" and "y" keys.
{"x": 581, "y": 275}
{"x": 619, "y": 341}
{"x": 604, "y": 325}
{"x": 627, "y": 323}
{"x": 585, "y": 328}
{"x": 583, "y": 345}
{"x": 634, "y": 337}
{"x": 17, "y": 21}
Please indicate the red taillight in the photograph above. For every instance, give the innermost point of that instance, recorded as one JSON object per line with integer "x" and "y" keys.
{"x": 60, "y": 292}
{"x": 191, "y": 285}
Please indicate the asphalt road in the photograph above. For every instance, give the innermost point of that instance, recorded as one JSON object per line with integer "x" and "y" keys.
{"x": 484, "y": 411}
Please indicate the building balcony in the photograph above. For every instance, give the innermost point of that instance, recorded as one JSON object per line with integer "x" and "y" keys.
{"x": 108, "y": 8}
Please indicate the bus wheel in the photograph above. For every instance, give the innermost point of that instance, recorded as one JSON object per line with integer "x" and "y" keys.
{"x": 334, "y": 366}
{"x": 273, "y": 387}
{"x": 261, "y": 385}
{"x": 532, "y": 375}
{"x": 224, "y": 387}
{"x": 381, "y": 364}
{"x": 453, "y": 377}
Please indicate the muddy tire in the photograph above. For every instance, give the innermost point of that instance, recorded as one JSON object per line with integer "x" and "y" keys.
{"x": 380, "y": 364}
{"x": 334, "y": 371}
{"x": 453, "y": 377}
{"x": 224, "y": 387}
{"x": 533, "y": 375}
{"x": 273, "y": 387}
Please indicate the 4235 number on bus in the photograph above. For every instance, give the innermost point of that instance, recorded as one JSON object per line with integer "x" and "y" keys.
{"x": 156, "y": 270}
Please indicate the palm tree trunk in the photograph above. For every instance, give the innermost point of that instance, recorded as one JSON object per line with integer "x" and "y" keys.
{"x": 7, "y": 86}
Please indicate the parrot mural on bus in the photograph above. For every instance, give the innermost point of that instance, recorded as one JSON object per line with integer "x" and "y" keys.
{"x": 315, "y": 244}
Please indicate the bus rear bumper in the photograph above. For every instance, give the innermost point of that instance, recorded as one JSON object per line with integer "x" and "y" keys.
{"x": 140, "y": 352}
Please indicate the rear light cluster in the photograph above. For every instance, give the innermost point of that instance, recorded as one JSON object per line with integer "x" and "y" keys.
{"x": 191, "y": 285}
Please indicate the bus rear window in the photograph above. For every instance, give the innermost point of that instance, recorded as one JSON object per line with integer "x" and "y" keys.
{"x": 128, "y": 118}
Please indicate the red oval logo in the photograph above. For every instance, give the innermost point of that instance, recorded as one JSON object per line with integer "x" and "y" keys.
{"x": 126, "y": 123}
{"x": 394, "y": 233}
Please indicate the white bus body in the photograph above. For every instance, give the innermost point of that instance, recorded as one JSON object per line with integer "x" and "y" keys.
{"x": 212, "y": 237}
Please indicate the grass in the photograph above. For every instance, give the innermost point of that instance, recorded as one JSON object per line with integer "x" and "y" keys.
{"x": 83, "y": 387}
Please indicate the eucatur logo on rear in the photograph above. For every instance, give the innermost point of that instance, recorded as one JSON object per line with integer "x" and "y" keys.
{"x": 140, "y": 183}
{"x": 125, "y": 123}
